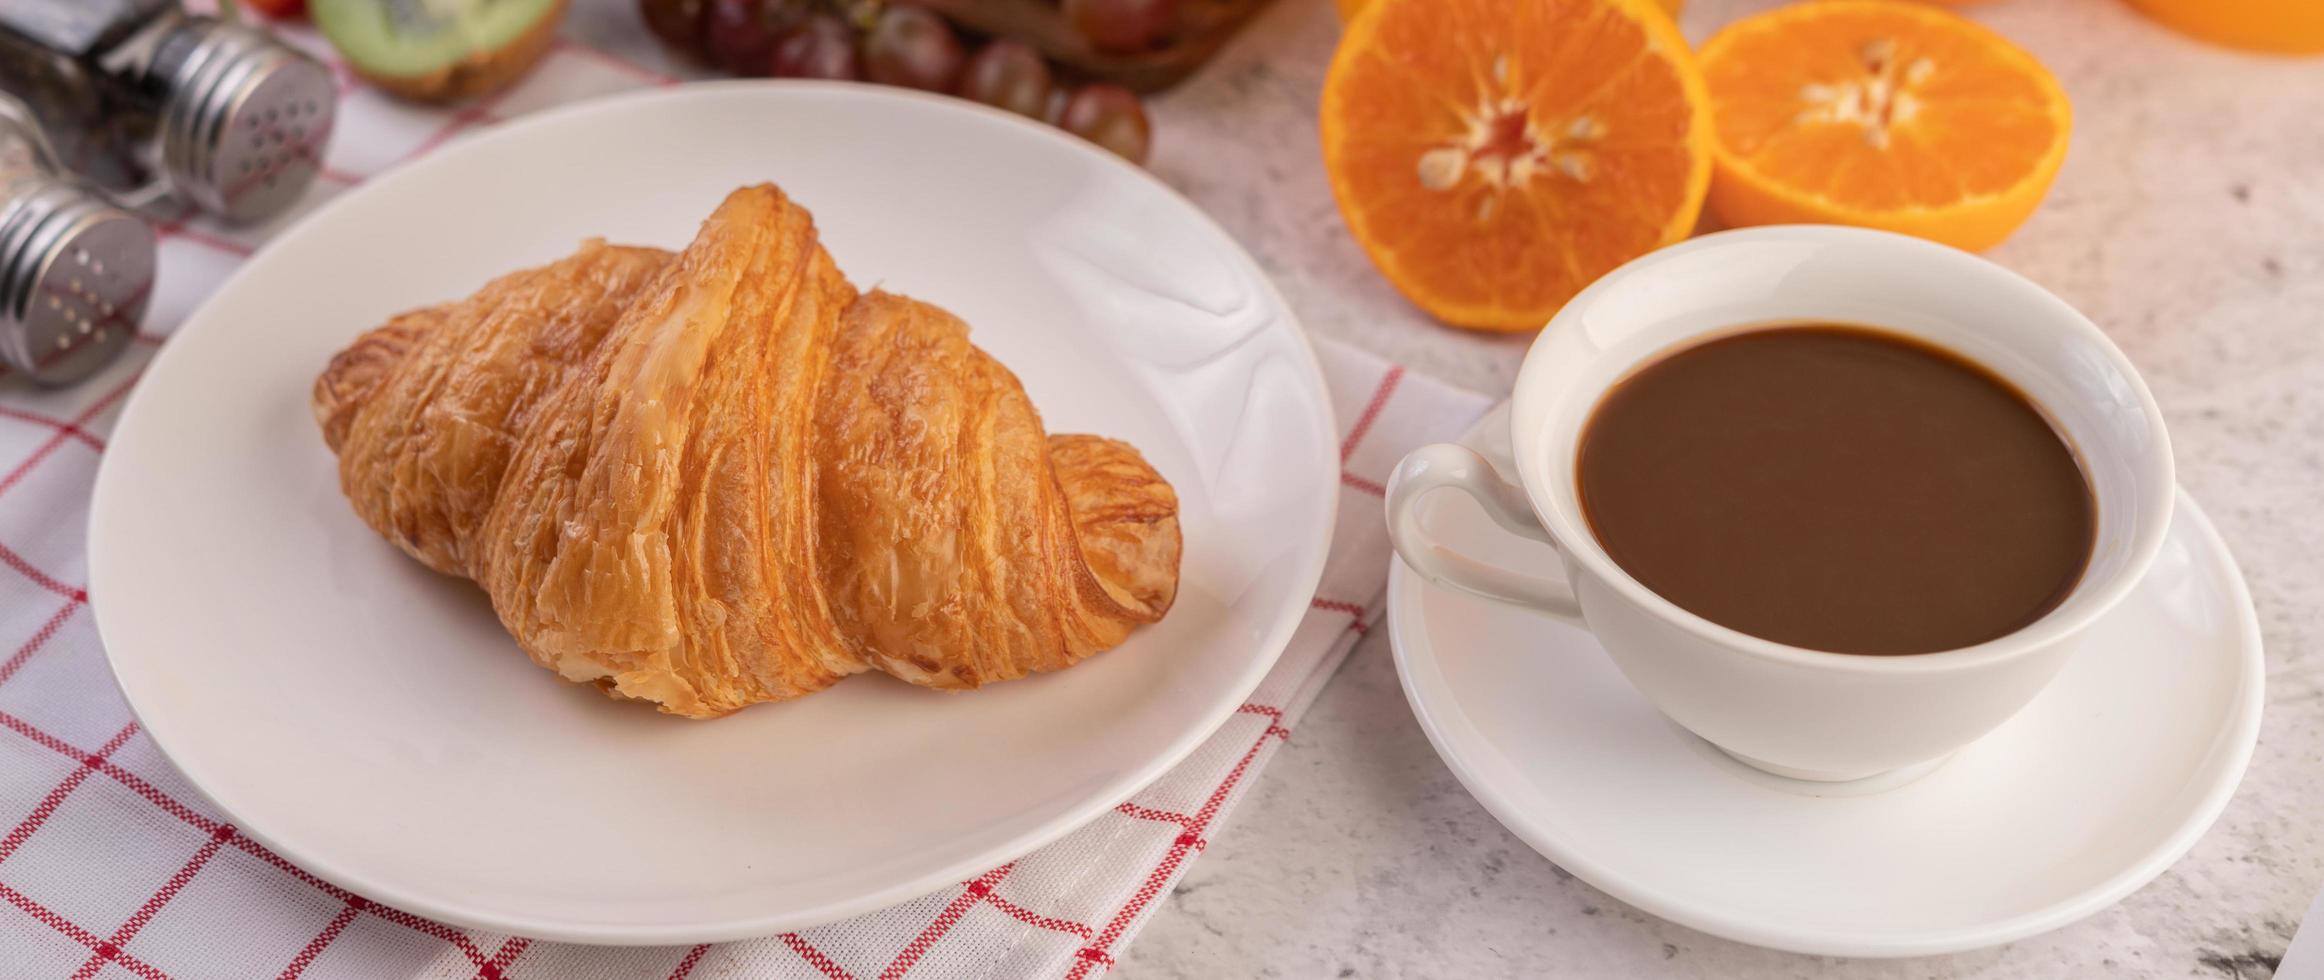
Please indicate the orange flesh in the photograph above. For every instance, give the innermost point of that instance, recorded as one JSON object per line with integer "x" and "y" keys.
{"x": 1493, "y": 158}
{"x": 1879, "y": 107}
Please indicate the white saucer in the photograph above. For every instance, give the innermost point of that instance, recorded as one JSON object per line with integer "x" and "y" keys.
{"x": 2101, "y": 783}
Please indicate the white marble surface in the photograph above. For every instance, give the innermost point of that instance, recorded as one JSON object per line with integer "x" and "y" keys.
{"x": 2189, "y": 222}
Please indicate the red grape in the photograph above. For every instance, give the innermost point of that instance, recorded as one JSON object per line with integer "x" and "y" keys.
{"x": 1008, "y": 74}
{"x": 912, "y": 47}
{"x": 1121, "y": 25}
{"x": 678, "y": 22}
{"x": 1109, "y": 116}
{"x": 823, "y": 47}
{"x": 739, "y": 35}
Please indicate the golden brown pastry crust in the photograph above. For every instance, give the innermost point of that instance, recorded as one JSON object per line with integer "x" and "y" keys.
{"x": 951, "y": 545}
{"x": 425, "y": 411}
{"x": 722, "y": 477}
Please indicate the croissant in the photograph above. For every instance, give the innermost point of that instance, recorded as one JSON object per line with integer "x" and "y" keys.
{"x": 720, "y": 477}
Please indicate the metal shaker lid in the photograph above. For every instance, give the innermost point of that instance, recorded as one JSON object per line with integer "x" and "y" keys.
{"x": 75, "y": 276}
{"x": 245, "y": 119}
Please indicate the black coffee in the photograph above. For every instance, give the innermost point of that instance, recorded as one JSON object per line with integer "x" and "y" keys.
{"x": 1837, "y": 488}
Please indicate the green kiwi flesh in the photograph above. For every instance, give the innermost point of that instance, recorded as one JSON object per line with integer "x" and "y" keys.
{"x": 439, "y": 49}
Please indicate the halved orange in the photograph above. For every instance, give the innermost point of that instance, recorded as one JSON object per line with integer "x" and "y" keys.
{"x": 1884, "y": 115}
{"x": 1495, "y": 156}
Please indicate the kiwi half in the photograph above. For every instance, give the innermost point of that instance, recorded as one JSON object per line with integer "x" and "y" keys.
{"x": 439, "y": 50}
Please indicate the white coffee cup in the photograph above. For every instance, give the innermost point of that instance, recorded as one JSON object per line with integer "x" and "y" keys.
{"x": 1796, "y": 712}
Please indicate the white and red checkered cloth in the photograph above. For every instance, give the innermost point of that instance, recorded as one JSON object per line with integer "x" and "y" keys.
{"x": 112, "y": 865}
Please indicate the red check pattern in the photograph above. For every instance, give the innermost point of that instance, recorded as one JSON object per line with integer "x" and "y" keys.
{"x": 113, "y": 865}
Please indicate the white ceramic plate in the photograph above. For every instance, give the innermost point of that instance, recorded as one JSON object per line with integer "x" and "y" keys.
{"x": 372, "y": 722}
{"x": 2105, "y": 779}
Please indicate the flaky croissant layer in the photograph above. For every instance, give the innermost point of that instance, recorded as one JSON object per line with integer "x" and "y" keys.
{"x": 723, "y": 476}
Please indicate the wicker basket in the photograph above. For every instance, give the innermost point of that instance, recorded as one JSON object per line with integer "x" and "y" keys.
{"x": 1202, "y": 27}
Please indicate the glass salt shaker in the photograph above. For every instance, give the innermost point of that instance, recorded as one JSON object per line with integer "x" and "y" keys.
{"x": 146, "y": 100}
{"x": 75, "y": 269}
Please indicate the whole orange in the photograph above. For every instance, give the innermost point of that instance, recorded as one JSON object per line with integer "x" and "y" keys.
{"x": 2279, "y": 26}
{"x": 1348, "y": 8}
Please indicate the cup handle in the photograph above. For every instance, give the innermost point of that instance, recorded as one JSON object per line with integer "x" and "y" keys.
{"x": 1458, "y": 467}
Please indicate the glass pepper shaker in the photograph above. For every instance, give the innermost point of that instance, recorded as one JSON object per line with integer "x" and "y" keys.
{"x": 146, "y": 100}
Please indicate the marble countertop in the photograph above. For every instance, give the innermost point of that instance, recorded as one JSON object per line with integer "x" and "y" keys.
{"x": 2188, "y": 222}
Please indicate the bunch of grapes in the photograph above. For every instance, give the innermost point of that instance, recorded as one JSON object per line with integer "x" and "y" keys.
{"x": 895, "y": 43}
